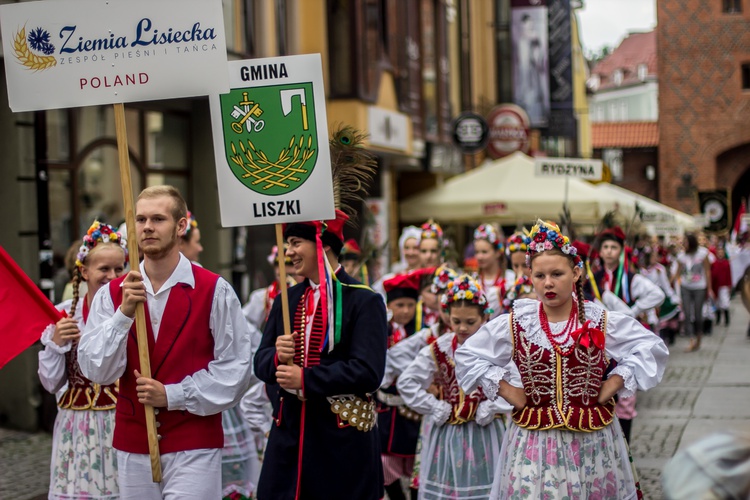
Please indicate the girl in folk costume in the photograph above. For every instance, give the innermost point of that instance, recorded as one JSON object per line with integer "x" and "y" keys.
{"x": 564, "y": 439}
{"x": 461, "y": 444}
{"x": 515, "y": 250}
{"x": 620, "y": 289}
{"x": 259, "y": 304}
{"x": 408, "y": 246}
{"x": 492, "y": 275}
{"x": 403, "y": 353}
{"x": 398, "y": 426}
{"x": 431, "y": 245}
{"x": 83, "y": 462}
{"x": 666, "y": 320}
{"x": 721, "y": 284}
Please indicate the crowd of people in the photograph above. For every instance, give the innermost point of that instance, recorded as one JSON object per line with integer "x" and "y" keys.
{"x": 510, "y": 375}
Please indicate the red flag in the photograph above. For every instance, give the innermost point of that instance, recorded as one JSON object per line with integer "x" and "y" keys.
{"x": 739, "y": 226}
{"x": 24, "y": 310}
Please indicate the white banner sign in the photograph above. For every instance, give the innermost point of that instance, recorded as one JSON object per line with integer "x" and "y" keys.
{"x": 590, "y": 170}
{"x": 72, "y": 53}
{"x": 271, "y": 142}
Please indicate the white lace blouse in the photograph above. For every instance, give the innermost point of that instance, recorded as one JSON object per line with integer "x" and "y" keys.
{"x": 641, "y": 355}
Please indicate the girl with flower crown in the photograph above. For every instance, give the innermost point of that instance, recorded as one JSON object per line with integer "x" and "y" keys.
{"x": 400, "y": 356}
{"x": 462, "y": 432}
{"x": 515, "y": 250}
{"x": 564, "y": 440}
{"x": 83, "y": 462}
{"x": 492, "y": 275}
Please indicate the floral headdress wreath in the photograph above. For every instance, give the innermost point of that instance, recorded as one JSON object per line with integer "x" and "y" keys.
{"x": 98, "y": 233}
{"x": 443, "y": 277}
{"x": 431, "y": 230}
{"x": 547, "y": 236}
{"x": 517, "y": 242}
{"x": 523, "y": 286}
{"x": 488, "y": 232}
{"x": 466, "y": 288}
{"x": 192, "y": 223}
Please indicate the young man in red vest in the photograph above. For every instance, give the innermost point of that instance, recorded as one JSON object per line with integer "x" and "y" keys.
{"x": 322, "y": 445}
{"x": 200, "y": 354}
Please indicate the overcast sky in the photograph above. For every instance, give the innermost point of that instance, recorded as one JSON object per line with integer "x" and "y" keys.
{"x": 606, "y": 22}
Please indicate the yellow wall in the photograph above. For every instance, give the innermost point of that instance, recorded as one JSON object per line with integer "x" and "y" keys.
{"x": 580, "y": 103}
{"x": 483, "y": 71}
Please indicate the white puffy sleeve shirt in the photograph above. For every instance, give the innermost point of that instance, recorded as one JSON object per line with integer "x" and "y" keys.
{"x": 400, "y": 356}
{"x": 641, "y": 355}
{"x": 103, "y": 345}
{"x": 51, "y": 370}
{"x": 417, "y": 378}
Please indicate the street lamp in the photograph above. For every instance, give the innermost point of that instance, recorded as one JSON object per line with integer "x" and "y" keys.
{"x": 650, "y": 172}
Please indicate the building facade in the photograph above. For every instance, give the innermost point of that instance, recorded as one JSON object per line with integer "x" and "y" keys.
{"x": 704, "y": 99}
{"x": 623, "y": 103}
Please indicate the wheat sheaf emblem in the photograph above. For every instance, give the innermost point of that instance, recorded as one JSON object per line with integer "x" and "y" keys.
{"x": 269, "y": 173}
{"x": 38, "y": 40}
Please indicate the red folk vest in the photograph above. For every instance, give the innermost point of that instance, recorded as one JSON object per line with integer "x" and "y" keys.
{"x": 464, "y": 406}
{"x": 561, "y": 391}
{"x": 184, "y": 346}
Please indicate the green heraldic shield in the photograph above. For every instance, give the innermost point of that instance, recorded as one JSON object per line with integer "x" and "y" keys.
{"x": 270, "y": 136}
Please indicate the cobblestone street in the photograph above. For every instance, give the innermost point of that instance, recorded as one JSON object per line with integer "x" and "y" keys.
{"x": 701, "y": 392}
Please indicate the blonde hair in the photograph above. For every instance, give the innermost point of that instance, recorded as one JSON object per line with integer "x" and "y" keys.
{"x": 179, "y": 209}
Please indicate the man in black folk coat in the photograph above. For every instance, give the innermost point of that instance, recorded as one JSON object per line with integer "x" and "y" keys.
{"x": 322, "y": 444}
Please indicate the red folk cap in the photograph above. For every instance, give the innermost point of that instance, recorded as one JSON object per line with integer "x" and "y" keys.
{"x": 403, "y": 285}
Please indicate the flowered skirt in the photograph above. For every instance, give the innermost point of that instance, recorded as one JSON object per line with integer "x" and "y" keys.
{"x": 565, "y": 465}
{"x": 83, "y": 463}
{"x": 239, "y": 458}
{"x": 459, "y": 461}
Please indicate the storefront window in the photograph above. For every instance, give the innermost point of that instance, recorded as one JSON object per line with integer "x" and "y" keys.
{"x": 58, "y": 147}
{"x": 85, "y": 185}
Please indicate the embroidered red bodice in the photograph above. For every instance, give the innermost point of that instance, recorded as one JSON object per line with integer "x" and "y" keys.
{"x": 561, "y": 391}
{"x": 464, "y": 406}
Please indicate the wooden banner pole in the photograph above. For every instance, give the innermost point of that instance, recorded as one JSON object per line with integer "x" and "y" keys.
{"x": 282, "y": 282}
{"x": 140, "y": 316}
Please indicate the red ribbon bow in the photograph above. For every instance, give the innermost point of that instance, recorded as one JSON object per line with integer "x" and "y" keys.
{"x": 586, "y": 335}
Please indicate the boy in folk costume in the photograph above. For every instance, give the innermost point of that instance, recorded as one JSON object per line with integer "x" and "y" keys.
{"x": 622, "y": 290}
{"x": 398, "y": 426}
{"x": 353, "y": 261}
{"x": 320, "y": 378}
{"x": 200, "y": 356}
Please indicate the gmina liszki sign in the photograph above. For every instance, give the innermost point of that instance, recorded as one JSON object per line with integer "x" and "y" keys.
{"x": 80, "y": 52}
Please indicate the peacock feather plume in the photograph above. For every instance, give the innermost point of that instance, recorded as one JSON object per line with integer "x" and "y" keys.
{"x": 352, "y": 168}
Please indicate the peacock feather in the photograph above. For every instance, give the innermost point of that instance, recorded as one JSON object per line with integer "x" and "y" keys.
{"x": 352, "y": 168}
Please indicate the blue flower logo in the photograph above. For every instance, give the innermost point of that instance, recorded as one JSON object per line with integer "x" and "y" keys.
{"x": 39, "y": 41}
